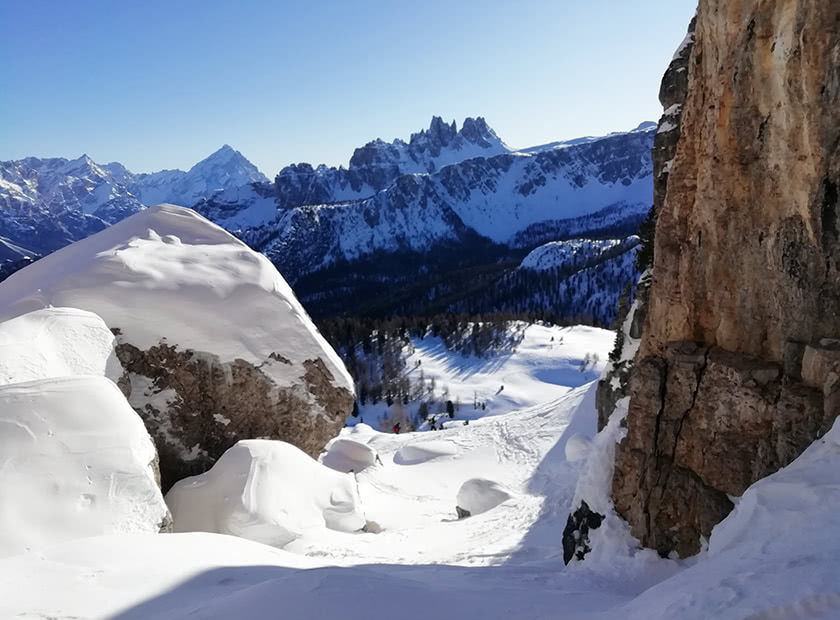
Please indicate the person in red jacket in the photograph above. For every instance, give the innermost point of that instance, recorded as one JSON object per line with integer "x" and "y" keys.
{"x": 397, "y": 428}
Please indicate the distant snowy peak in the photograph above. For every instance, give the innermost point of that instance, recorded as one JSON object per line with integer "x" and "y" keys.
{"x": 226, "y": 165}
{"x": 431, "y": 149}
{"x": 225, "y": 169}
{"x": 373, "y": 168}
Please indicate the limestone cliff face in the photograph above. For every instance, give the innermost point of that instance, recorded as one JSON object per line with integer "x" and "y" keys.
{"x": 738, "y": 366}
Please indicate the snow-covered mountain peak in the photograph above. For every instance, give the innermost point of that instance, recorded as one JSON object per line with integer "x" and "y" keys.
{"x": 232, "y": 162}
{"x": 429, "y": 150}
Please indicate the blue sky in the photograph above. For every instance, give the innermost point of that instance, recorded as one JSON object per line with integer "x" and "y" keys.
{"x": 162, "y": 84}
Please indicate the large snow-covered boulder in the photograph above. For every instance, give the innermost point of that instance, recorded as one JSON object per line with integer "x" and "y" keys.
{"x": 267, "y": 491}
{"x": 213, "y": 343}
{"x": 479, "y": 495}
{"x": 75, "y": 461}
{"x": 56, "y": 342}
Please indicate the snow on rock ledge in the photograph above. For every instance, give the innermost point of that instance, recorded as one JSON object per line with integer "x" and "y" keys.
{"x": 214, "y": 344}
{"x": 56, "y": 342}
{"x": 75, "y": 461}
{"x": 266, "y": 491}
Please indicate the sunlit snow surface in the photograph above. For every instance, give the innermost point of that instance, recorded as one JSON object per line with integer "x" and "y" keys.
{"x": 774, "y": 557}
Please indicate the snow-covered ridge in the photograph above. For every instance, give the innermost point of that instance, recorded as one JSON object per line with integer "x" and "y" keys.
{"x": 562, "y": 144}
{"x": 571, "y": 253}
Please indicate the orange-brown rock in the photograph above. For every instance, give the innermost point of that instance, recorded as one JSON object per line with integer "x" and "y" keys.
{"x": 737, "y": 371}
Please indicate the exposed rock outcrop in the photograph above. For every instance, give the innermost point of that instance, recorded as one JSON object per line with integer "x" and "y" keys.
{"x": 576, "y": 533}
{"x": 196, "y": 406}
{"x": 737, "y": 372}
{"x": 214, "y": 347}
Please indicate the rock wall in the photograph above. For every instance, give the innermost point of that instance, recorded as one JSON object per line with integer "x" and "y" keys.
{"x": 737, "y": 372}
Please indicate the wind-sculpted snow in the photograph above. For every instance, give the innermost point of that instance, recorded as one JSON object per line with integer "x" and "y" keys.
{"x": 213, "y": 343}
{"x": 347, "y": 455}
{"x": 75, "y": 461}
{"x": 56, "y": 342}
{"x": 267, "y": 491}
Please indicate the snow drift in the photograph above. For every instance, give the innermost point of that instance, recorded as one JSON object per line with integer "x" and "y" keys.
{"x": 75, "y": 461}
{"x": 266, "y": 491}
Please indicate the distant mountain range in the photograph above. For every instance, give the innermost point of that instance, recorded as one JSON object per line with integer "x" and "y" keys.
{"x": 47, "y": 203}
{"x": 445, "y": 201}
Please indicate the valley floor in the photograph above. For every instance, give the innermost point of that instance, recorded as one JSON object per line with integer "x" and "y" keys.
{"x": 504, "y": 563}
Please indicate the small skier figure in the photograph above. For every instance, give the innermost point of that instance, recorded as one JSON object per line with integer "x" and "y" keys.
{"x": 397, "y": 428}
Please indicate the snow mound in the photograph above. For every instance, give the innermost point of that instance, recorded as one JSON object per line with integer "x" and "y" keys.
{"x": 577, "y": 447}
{"x": 346, "y": 455}
{"x": 479, "y": 495}
{"x": 74, "y": 462}
{"x": 155, "y": 274}
{"x": 56, "y": 342}
{"x": 266, "y": 491}
{"x": 422, "y": 451}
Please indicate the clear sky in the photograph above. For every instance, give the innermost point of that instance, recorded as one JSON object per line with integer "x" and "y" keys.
{"x": 163, "y": 83}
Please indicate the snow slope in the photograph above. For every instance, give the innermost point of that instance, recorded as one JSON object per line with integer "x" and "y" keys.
{"x": 168, "y": 273}
{"x": 75, "y": 461}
